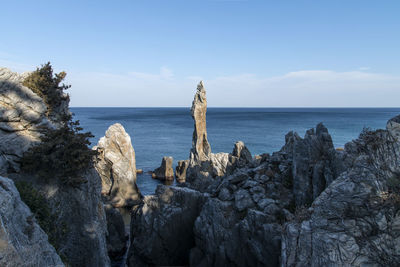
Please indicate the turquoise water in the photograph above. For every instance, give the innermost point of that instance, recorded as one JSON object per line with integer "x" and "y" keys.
{"x": 158, "y": 132}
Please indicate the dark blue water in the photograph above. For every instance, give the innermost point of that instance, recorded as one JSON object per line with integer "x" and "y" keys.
{"x": 158, "y": 132}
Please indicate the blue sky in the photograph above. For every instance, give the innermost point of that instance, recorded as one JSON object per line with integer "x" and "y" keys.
{"x": 249, "y": 53}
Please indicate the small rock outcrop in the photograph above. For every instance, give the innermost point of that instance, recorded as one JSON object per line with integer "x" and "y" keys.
{"x": 165, "y": 171}
{"x": 116, "y": 165}
{"x": 162, "y": 227}
{"x": 22, "y": 241}
{"x": 180, "y": 171}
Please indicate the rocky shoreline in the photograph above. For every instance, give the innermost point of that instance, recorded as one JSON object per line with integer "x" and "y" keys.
{"x": 305, "y": 205}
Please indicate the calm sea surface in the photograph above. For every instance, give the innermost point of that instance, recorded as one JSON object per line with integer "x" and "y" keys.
{"x": 158, "y": 132}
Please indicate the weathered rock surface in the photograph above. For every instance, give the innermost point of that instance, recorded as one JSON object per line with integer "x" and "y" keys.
{"x": 80, "y": 210}
{"x": 355, "y": 221}
{"x": 315, "y": 163}
{"x": 22, "y": 118}
{"x": 116, "y": 165}
{"x": 22, "y": 241}
{"x": 180, "y": 171}
{"x": 165, "y": 171}
{"x": 116, "y": 236}
{"x": 201, "y": 149}
{"x": 162, "y": 227}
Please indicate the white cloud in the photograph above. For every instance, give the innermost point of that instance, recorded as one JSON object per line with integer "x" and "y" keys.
{"x": 305, "y": 88}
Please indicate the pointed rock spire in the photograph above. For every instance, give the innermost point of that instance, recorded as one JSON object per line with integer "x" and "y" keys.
{"x": 201, "y": 150}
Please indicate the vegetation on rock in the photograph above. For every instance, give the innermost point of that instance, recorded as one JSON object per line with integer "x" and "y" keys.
{"x": 42, "y": 212}
{"x": 48, "y": 86}
{"x": 63, "y": 152}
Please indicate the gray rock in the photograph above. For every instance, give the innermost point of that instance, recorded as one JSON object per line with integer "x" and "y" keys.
{"x": 22, "y": 119}
{"x": 22, "y": 241}
{"x": 81, "y": 211}
{"x": 225, "y": 237}
{"x": 165, "y": 171}
{"x": 315, "y": 163}
{"x": 116, "y": 165}
{"x": 116, "y": 236}
{"x": 354, "y": 222}
{"x": 162, "y": 227}
{"x": 180, "y": 171}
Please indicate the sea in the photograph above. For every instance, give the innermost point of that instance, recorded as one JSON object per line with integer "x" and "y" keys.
{"x": 159, "y": 132}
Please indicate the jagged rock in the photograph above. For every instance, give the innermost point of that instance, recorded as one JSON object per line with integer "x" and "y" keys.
{"x": 165, "y": 171}
{"x": 393, "y": 127}
{"x": 162, "y": 227}
{"x": 116, "y": 165}
{"x": 315, "y": 163}
{"x": 226, "y": 237}
{"x": 22, "y": 241}
{"x": 241, "y": 152}
{"x": 116, "y": 236}
{"x": 22, "y": 119}
{"x": 180, "y": 171}
{"x": 355, "y": 221}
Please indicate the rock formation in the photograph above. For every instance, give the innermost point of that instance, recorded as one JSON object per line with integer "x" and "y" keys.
{"x": 201, "y": 149}
{"x": 77, "y": 210}
{"x": 355, "y": 221}
{"x": 180, "y": 171}
{"x": 116, "y": 165}
{"x": 315, "y": 164}
{"x": 165, "y": 171}
{"x": 22, "y": 118}
{"x": 22, "y": 241}
{"x": 248, "y": 205}
{"x": 162, "y": 227}
{"x": 116, "y": 236}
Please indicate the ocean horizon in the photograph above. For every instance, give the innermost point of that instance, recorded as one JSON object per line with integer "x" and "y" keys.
{"x": 166, "y": 131}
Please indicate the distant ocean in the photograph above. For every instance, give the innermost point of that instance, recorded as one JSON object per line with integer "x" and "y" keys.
{"x": 158, "y": 132}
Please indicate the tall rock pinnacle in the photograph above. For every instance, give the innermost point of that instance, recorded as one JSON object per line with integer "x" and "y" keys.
{"x": 201, "y": 150}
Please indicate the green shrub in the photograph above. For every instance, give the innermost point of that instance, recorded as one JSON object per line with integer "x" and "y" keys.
{"x": 48, "y": 86}
{"x": 63, "y": 154}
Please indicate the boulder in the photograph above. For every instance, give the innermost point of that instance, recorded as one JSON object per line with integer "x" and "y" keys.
{"x": 165, "y": 171}
{"x": 116, "y": 166}
{"x": 180, "y": 171}
{"x": 22, "y": 241}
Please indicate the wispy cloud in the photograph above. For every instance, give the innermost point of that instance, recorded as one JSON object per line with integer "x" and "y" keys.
{"x": 312, "y": 88}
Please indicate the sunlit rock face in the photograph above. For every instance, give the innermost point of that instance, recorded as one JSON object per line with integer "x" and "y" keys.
{"x": 201, "y": 149}
{"x": 22, "y": 119}
{"x": 116, "y": 165}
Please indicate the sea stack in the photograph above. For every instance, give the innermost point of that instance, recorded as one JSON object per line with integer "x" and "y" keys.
{"x": 116, "y": 165}
{"x": 165, "y": 171}
{"x": 201, "y": 150}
